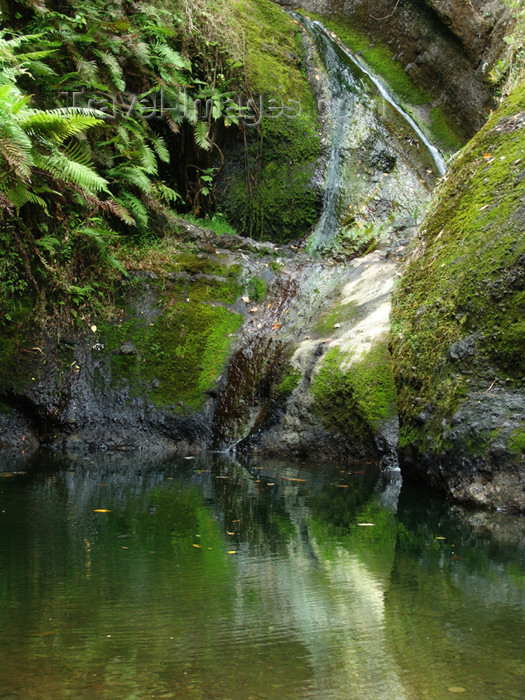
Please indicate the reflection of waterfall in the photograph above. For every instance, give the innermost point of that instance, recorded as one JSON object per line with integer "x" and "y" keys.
{"x": 349, "y": 87}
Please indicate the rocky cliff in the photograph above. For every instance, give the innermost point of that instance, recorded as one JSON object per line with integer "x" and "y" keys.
{"x": 446, "y": 46}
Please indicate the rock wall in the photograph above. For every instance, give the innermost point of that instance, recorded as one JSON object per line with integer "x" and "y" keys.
{"x": 447, "y": 46}
{"x": 459, "y": 323}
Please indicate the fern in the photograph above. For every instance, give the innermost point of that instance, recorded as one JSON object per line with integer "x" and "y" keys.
{"x": 201, "y": 135}
{"x": 62, "y": 168}
{"x": 134, "y": 175}
{"x": 161, "y": 149}
{"x": 135, "y": 206}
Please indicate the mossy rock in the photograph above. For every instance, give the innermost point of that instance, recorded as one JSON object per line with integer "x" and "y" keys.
{"x": 354, "y": 397}
{"x": 266, "y": 190}
{"x": 176, "y": 358}
{"x": 466, "y": 285}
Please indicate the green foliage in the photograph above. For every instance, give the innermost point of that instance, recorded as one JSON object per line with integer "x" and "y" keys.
{"x": 510, "y": 69}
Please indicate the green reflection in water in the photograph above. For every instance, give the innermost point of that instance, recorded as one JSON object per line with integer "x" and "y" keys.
{"x": 210, "y": 578}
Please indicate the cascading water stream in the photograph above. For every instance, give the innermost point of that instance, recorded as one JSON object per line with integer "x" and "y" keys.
{"x": 346, "y": 87}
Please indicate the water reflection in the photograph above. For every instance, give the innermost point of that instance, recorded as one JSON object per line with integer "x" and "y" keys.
{"x": 211, "y": 578}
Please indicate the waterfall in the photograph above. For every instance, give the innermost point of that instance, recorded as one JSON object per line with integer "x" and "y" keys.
{"x": 348, "y": 79}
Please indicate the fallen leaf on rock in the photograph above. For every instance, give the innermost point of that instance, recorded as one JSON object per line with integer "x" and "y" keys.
{"x": 254, "y": 309}
{"x": 246, "y": 300}
{"x": 275, "y": 326}
{"x": 337, "y": 325}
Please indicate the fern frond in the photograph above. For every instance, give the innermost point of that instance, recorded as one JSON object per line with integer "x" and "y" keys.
{"x": 62, "y": 168}
{"x": 166, "y": 194}
{"x": 135, "y": 206}
{"x": 173, "y": 57}
{"x": 114, "y": 69}
{"x": 148, "y": 160}
{"x": 201, "y": 135}
{"x": 161, "y": 149}
{"x": 134, "y": 175}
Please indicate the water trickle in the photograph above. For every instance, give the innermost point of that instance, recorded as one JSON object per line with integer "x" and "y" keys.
{"x": 350, "y": 84}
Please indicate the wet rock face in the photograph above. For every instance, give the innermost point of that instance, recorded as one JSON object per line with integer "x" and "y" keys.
{"x": 458, "y": 326}
{"x": 447, "y": 46}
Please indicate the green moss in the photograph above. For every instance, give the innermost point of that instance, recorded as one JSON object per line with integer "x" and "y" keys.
{"x": 277, "y": 202}
{"x": 354, "y": 400}
{"x": 289, "y": 382}
{"x": 516, "y": 441}
{"x": 273, "y": 43}
{"x": 440, "y": 127}
{"x": 466, "y": 282}
{"x": 177, "y": 357}
{"x": 269, "y": 195}
{"x": 257, "y": 289}
{"x": 338, "y": 314}
{"x": 18, "y": 359}
{"x": 378, "y": 57}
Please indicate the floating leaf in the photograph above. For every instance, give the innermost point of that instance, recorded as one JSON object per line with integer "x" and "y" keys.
{"x": 440, "y": 538}
{"x": 232, "y": 551}
{"x": 101, "y": 510}
{"x": 197, "y": 546}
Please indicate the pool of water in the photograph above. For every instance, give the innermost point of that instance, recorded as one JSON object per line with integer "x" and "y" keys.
{"x": 211, "y": 578}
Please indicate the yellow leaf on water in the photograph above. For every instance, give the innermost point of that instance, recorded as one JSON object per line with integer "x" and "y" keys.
{"x": 101, "y": 510}
{"x": 440, "y": 538}
{"x": 232, "y": 551}
{"x": 197, "y": 546}
{"x": 230, "y": 533}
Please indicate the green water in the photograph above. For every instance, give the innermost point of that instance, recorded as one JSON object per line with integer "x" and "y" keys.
{"x": 211, "y": 578}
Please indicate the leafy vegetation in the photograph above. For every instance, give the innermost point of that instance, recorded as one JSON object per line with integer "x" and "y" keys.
{"x": 510, "y": 69}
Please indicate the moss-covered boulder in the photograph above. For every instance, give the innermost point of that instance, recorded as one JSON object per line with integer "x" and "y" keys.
{"x": 459, "y": 324}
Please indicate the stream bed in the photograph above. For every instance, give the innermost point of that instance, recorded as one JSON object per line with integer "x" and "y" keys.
{"x": 126, "y": 577}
